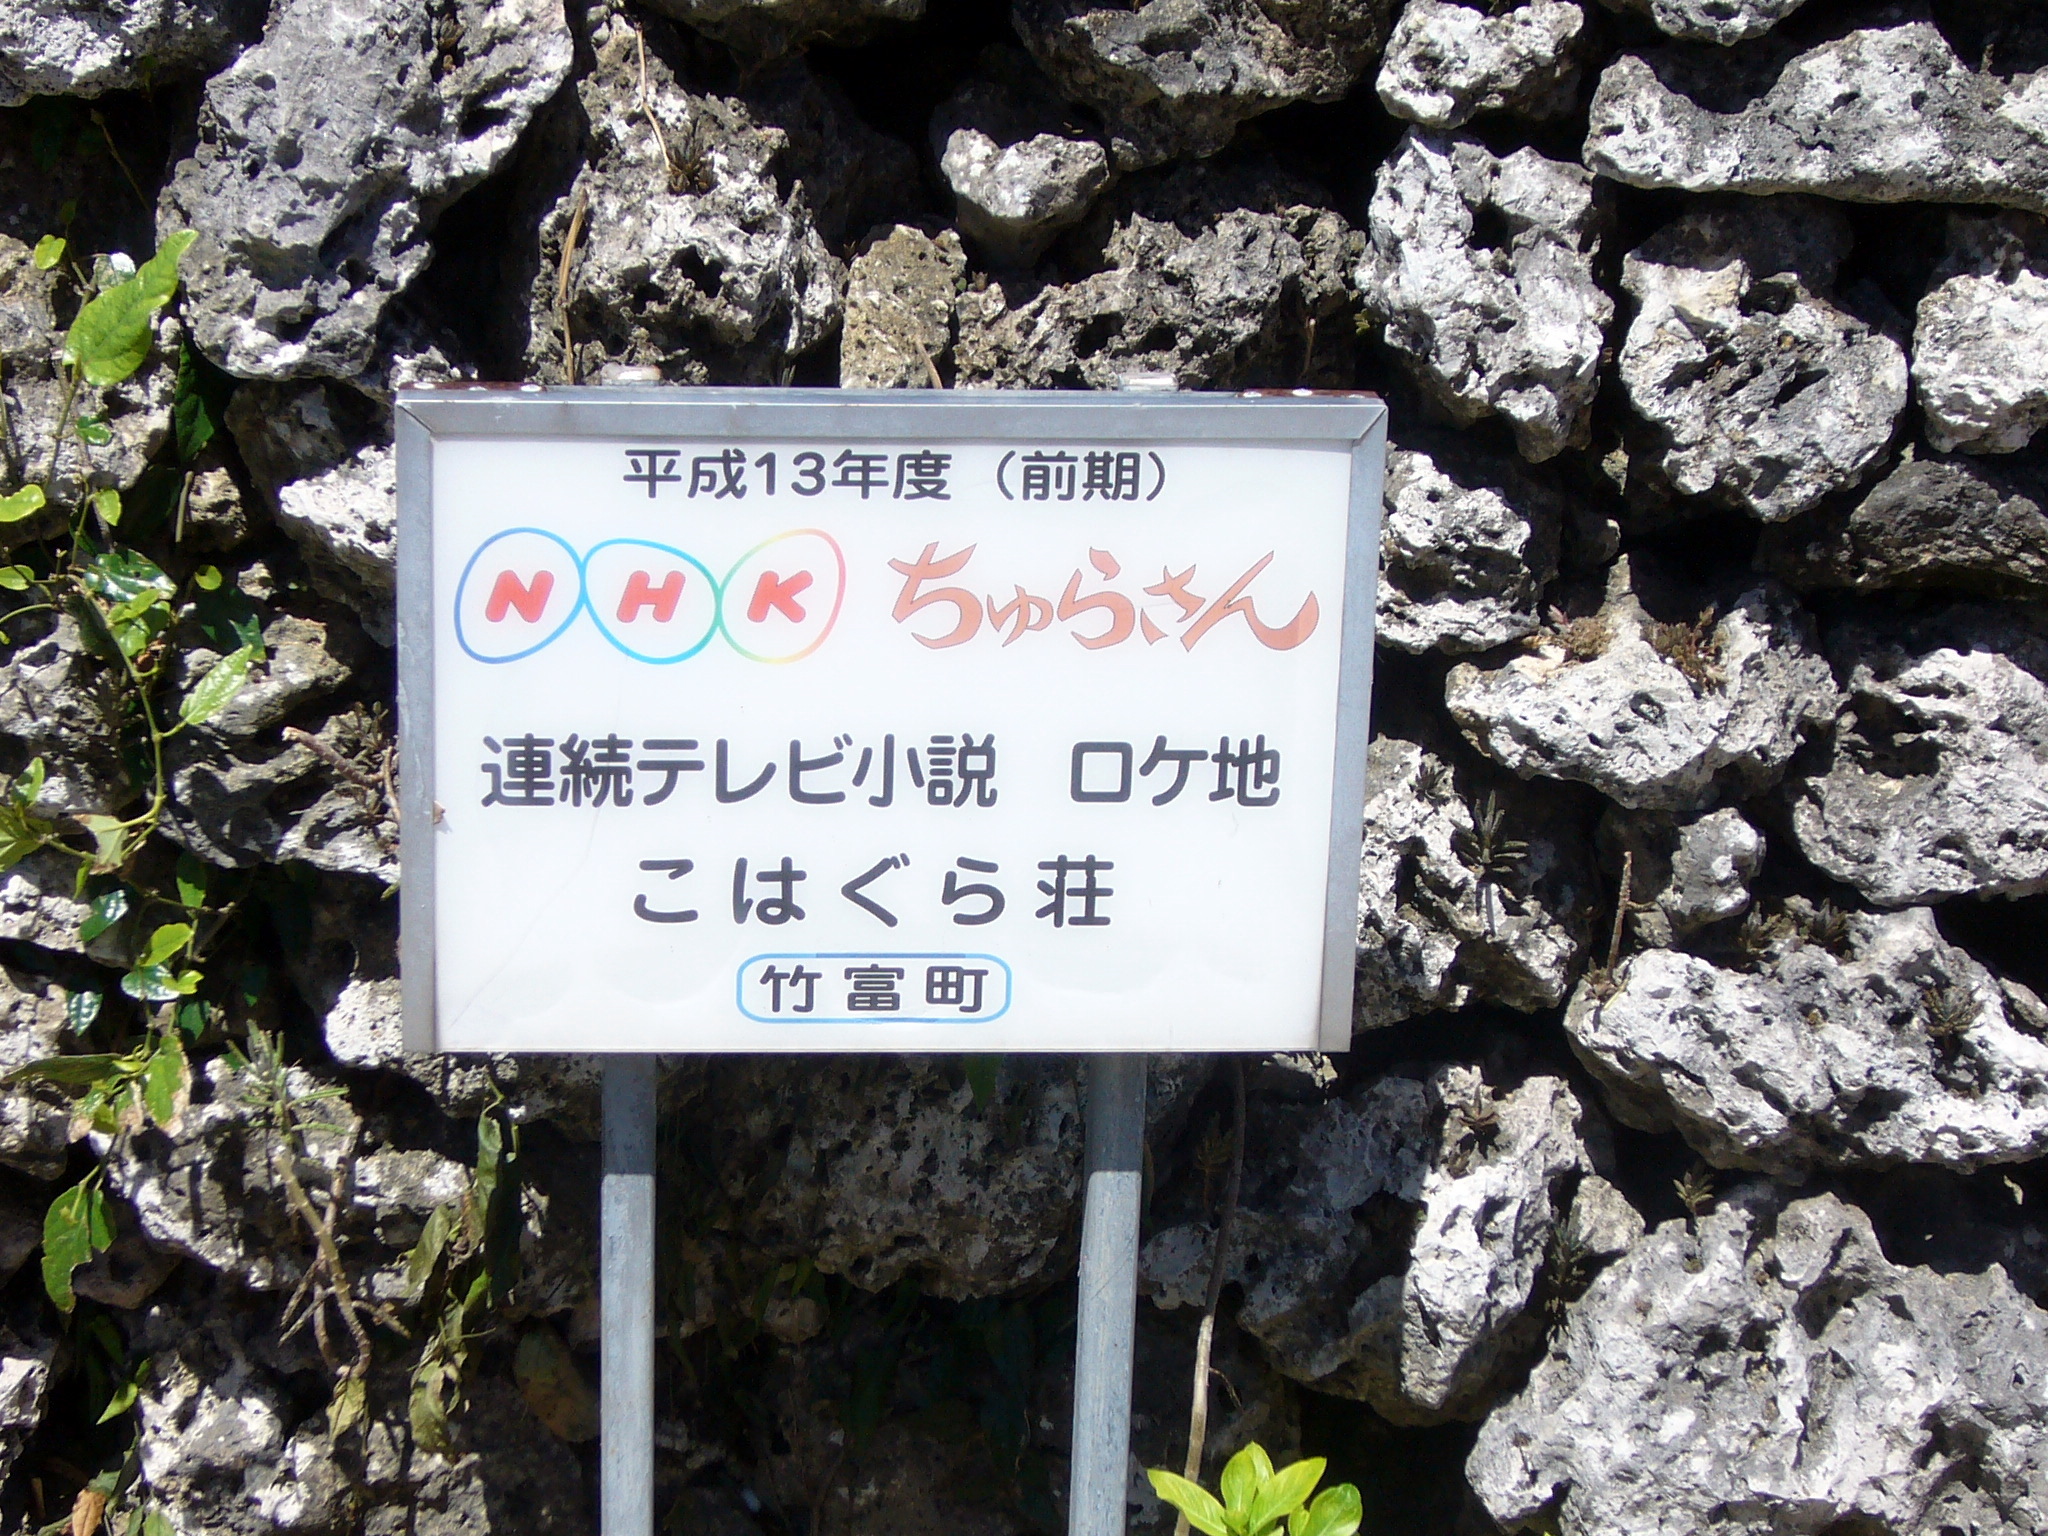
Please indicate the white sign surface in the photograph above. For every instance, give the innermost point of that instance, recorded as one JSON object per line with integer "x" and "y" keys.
{"x": 915, "y": 723}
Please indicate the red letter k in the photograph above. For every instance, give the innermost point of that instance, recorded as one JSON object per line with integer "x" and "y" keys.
{"x": 773, "y": 591}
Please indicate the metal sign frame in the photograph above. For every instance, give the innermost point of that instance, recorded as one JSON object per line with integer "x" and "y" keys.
{"x": 1263, "y": 418}
{"x": 1105, "y": 1323}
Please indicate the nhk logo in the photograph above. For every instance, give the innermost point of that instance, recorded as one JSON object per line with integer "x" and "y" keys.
{"x": 523, "y": 588}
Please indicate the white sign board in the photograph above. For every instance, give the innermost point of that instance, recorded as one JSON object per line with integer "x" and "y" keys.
{"x": 794, "y": 720}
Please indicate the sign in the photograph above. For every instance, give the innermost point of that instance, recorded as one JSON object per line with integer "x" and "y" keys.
{"x": 786, "y": 720}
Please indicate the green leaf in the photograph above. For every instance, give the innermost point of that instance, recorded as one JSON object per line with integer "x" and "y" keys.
{"x": 82, "y": 1010}
{"x": 217, "y": 689}
{"x": 426, "y": 1253}
{"x": 66, "y": 1071}
{"x": 345, "y": 1409}
{"x": 118, "y": 575}
{"x": 166, "y": 942}
{"x": 1192, "y": 1500}
{"x": 108, "y": 504}
{"x": 1336, "y": 1512}
{"x": 128, "y": 1391}
{"x": 95, "y": 431}
{"x": 198, "y": 405}
{"x": 110, "y": 339}
{"x": 108, "y": 908}
{"x": 28, "y": 786}
{"x": 167, "y": 1083}
{"x": 191, "y": 877}
{"x": 1242, "y": 1476}
{"x": 15, "y": 578}
{"x": 49, "y": 251}
{"x": 78, "y": 1225}
{"x": 192, "y": 1019}
{"x": 207, "y": 578}
{"x": 26, "y": 502}
{"x": 157, "y": 984}
{"x": 982, "y": 1075}
{"x": 1283, "y": 1493}
{"x": 110, "y": 841}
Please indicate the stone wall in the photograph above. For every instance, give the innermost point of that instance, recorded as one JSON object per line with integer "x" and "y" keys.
{"x": 1678, "y": 1177}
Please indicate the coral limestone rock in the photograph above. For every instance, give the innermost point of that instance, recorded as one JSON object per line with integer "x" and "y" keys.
{"x": 1482, "y": 269}
{"x": 87, "y": 47}
{"x": 1447, "y": 62}
{"x": 1891, "y": 1046}
{"x": 684, "y": 252}
{"x": 1762, "y": 1376}
{"x": 1757, "y": 389}
{"x": 1176, "y": 77}
{"x": 326, "y": 154}
{"x": 1932, "y": 785}
{"x": 1711, "y": 21}
{"x": 1654, "y": 713}
{"x": 1465, "y": 549}
{"x": 1982, "y": 336}
{"x": 1887, "y": 113}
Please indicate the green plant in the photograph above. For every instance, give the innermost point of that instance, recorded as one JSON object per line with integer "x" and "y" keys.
{"x": 465, "y": 1263}
{"x": 1693, "y": 647}
{"x": 1257, "y": 1500}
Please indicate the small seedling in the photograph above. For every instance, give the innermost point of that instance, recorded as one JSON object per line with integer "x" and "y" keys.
{"x": 1695, "y": 1192}
{"x": 1951, "y": 1012}
{"x": 1257, "y": 1500}
{"x": 1694, "y": 648}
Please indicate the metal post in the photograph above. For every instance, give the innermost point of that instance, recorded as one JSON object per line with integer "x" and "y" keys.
{"x": 626, "y": 1290}
{"x": 1106, "y": 1326}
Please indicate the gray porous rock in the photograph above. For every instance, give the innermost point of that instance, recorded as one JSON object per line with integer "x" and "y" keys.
{"x": 39, "y": 905}
{"x": 1932, "y": 785}
{"x": 1221, "y": 280}
{"x": 1467, "y": 544}
{"x": 225, "y": 1445}
{"x": 88, "y": 47}
{"x": 1176, "y": 77}
{"x": 1981, "y": 336}
{"x": 768, "y": 28}
{"x": 1710, "y": 21}
{"x": 1774, "y": 1373}
{"x": 53, "y": 707}
{"x": 1447, "y": 61}
{"x": 321, "y": 456}
{"x": 874, "y": 1167}
{"x": 1655, "y": 714}
{"x": 326, "y": 155}
{"x": 303, "y": 660}
{"x": 898, "y": 332}
{"x": 1685, "y": 872}
{"x": 1962, "y": 524}
{"x": 1482, "y": 269}
{"x": 1756, "y": 390}
{"x": 685, "y": 253}
{"x": 854, "y": 176}
{"x": 1885, "y": 113}
{"x": 26, "y": 1355}
{"x": 35, "y": 1119}
{"x": 1019, "y": 169}
{"x": 34, "y": 390}
{"x": 1891, "y": 1046}
{"x": 317, "y": 797}
{"x": 1444, "y": 1188}
{"x": 1435, "y": 930}
{"x": 213, "y": 1191}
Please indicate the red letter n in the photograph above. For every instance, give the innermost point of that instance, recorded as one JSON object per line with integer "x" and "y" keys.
{"x": 641, "y": 593}
{"x": 530, "y": 598}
